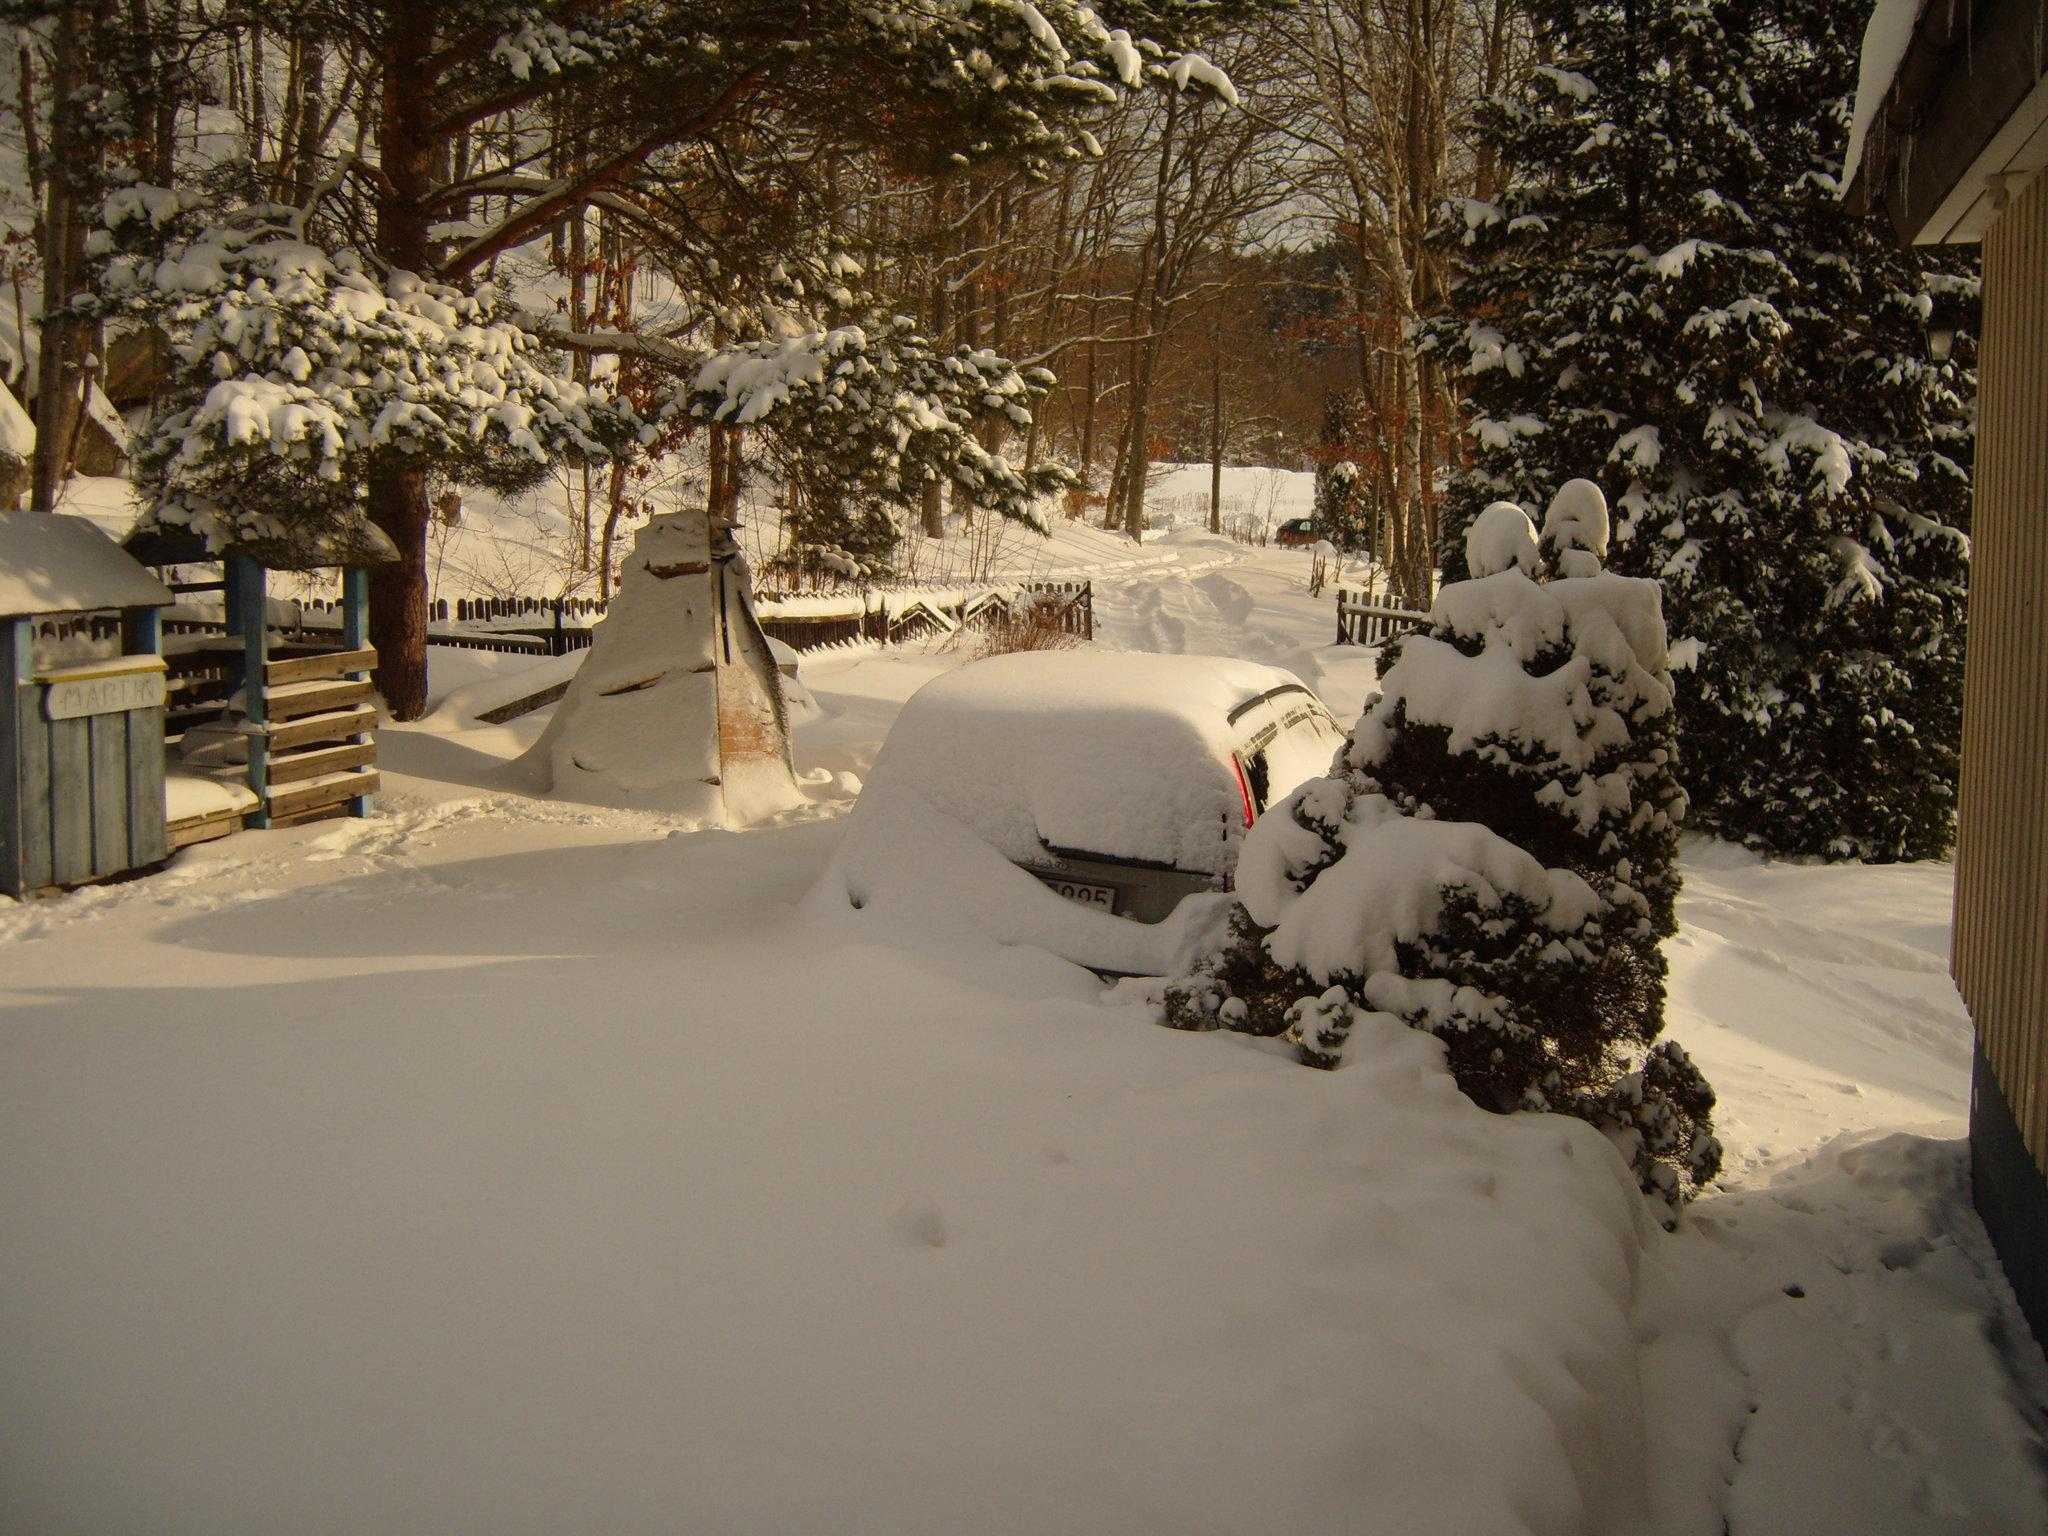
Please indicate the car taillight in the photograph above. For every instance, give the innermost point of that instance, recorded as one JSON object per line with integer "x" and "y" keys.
{"x": 1243, "y": 789}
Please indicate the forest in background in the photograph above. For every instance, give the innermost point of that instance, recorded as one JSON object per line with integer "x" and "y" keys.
{"x": 309, "y": 270}
{"x": 1221, "y": 276}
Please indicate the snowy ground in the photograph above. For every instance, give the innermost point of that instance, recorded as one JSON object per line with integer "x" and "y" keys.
{"x": 502, "y": 1166}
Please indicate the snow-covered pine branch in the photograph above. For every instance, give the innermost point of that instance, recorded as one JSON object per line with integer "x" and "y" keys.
{"x": 294, "y": 368}
{"x": 1667, "y": 293}
{"x": 877, "y": 410}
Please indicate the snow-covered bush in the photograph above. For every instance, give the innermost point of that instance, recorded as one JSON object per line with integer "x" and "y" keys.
{"x": 1668, "y": 294}
{"x": 295, "y": 369}
{"x": 1493, "y": 858}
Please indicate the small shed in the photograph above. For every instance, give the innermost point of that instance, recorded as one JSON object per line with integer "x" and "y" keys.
{"x": 82, "y": 716}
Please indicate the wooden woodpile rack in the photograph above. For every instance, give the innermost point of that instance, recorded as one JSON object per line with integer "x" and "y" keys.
{"x": 308, "y": 708}
{"x": 314, "y": 749}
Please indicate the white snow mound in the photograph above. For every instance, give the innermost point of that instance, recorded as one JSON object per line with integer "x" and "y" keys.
{"x": 1502, "y": 538}
{"x": 1576, "y": 527}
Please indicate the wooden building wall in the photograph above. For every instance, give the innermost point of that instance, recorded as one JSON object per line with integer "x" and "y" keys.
{"x": 2001, "y": 912}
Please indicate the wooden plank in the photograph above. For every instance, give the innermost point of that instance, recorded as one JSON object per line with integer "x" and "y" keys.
{"x": 70, "y": 801}
{"x": 309, "y": 765}
{"x": 329, "y": 789}
{"x": 200, "y": 829}
{"x": 306, "y": 669}
{"x": 525, "y": 706}
{"x": 10, "y": 785}
{"x": 146, "y": 840}
{"x": 329, "y": 727}
{"x": 337, "y": 812}
{"x": 107, "y": 744}
{"x": 295, "y": 699}
{"x": 33, "y": 736}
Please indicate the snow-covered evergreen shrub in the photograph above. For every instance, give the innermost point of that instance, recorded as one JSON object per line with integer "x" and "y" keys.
{"x": 1669, "y": 289}
{"x": 295, "y": 369}
{"x": 1494, "y": 859}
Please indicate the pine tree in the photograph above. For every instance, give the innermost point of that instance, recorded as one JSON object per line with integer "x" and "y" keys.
{"x": 1494, "y": 859}
{"x": 295, "y": 376}
{"x": 1342, "y": 514}
{"x": 1669, "y": 289}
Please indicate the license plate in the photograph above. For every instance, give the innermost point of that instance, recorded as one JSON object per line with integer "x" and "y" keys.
{"x": 1102, "y": 896}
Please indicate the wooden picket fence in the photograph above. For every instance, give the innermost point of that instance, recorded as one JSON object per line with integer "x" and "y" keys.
{"x": 898, "y": 617}
{"x": 1363, "y": 619}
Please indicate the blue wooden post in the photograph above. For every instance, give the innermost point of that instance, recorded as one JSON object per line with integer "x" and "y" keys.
{"x": 17, "y": 668}
{"x": 231, "y": 594}
{"x": 355, "y": 634}
{"x": 245, "y": 592}
{"x": 355, "y": 607}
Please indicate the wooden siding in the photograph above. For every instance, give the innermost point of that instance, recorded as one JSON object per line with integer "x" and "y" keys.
{"x": 2001, "y": 912}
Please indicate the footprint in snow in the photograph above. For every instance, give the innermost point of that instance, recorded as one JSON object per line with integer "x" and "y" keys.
{"x": 919, "y": 1223}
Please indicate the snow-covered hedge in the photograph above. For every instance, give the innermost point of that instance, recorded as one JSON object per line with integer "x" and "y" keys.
{"x": 1493, "y": 857}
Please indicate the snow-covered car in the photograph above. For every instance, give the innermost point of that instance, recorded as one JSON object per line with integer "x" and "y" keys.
{"x": 1122, "y": 782}
{"x": 1296, "y": 533}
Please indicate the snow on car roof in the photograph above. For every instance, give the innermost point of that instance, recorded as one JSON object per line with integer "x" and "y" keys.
{"x": 1126, "y": 755}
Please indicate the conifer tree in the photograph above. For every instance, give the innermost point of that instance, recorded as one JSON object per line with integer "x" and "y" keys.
{"x": 1494, "y": 858}
{"x": 1669, "y": 293}
{"x": 1342, "y": 513}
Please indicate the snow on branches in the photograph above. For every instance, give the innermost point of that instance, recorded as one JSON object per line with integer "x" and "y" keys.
{"x": 1027, "y": 74}
{"x": 294, "y": 369}
{"x": 1666, "y": 290}
{"x": 880, "y": 412}
{"x": 1492, "y": 858}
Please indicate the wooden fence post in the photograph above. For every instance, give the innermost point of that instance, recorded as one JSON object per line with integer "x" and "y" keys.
{"x": 246, "y": 601}
{"x": 355, "y": 635}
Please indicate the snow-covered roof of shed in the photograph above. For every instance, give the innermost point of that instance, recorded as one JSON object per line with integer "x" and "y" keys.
{"x": 1126, "y": 755}
{"x": 50, "y": 563}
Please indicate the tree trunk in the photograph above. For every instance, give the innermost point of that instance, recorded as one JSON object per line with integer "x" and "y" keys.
{"x": 1152, "y": 283}
{"x": 66, "y": 339}
{"x": 1137, "y": 469}
{"x": 726, "y": 503}
{"x": 1088, "y": 416}
{"x": 611, "y": 528}
{"x": 398, "y": 592}
{"x": 398, "y": 498}
{"x": 1216, "y": 431}
{"x": 1113, "y": 500}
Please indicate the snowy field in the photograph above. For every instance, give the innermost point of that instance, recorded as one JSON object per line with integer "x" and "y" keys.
{"x": 502, "y": 1166}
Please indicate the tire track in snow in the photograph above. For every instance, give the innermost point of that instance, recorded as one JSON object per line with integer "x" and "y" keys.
{"x": 1192, "y": 608}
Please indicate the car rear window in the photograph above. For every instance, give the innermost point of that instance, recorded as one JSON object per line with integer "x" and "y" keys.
{"x": 1289, "y": 738}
